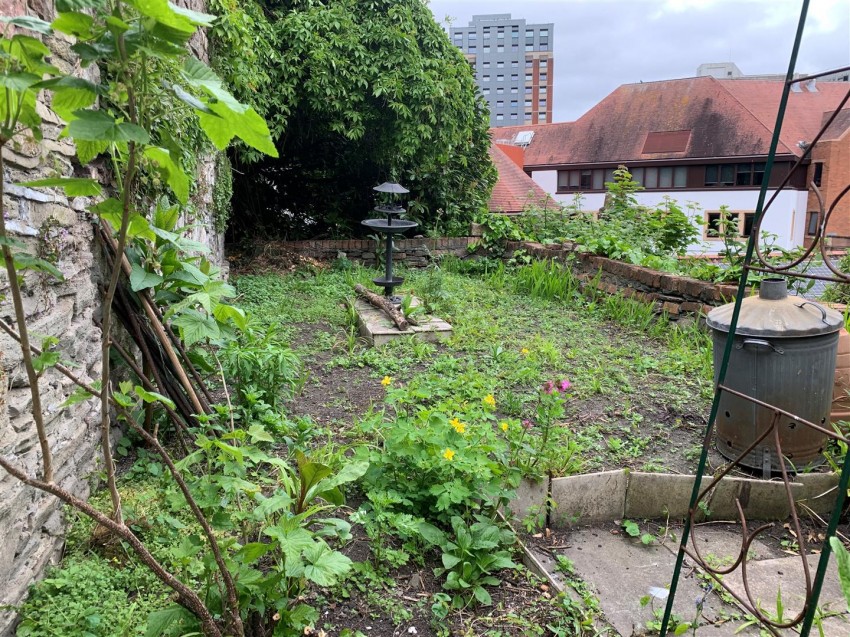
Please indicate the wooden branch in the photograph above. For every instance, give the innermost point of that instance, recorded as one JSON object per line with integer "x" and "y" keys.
{"x": 186, "y": 597}
{"x": 382, "y": 304}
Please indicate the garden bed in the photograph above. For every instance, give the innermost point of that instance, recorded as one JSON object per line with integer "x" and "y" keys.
{"x": 638, "y": 395}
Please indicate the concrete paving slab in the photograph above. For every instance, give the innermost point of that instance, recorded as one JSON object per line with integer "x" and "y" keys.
{"x": 760, "y": 499}
{"x": 621, "y": 571}
{"x": 818, "y": 492}
{"x": 378, "y": 329}
{"x": 767, "y": 578}
{"x": 595, "y": 497}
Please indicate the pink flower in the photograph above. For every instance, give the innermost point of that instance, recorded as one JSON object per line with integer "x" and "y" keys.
{"x": 527, "y": 424}
{"x": 564, "y": 385}
{"x": 549, "y": 387}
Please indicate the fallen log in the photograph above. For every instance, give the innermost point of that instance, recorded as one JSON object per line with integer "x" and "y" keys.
{"x": 382, "y": 304}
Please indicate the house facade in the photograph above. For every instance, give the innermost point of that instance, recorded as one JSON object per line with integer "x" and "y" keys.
{"x": 704, "y": 143}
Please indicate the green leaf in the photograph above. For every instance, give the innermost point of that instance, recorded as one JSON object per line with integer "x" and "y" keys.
{"x": 482, "y": 595}
{"x": 199, "y": 75}
{"x": 450, "y": 561}
{"x": 153, "y": 397}
{"x": 19, "y": 82}
{"x": 28, "y": 22}
{"x": 78, "y": 396}
{"x": 431, "y": 534}
{"x": 44, "y": 361}
{"x": 73, "y": 187}
{"x": 195, "y": 326}
{"x": 174, "y": 175}
{"x": 25, "y": 261}
{"x": 196, "y": 17}
{"x": 252, "y": 551}
{"x": 98, "y": 126}
{"x": 141, "y": 279}
{"x": 161, "y": 620}
{"x": 77, "y": 5}
{"x": 646, "y": 539}
{"x": 842, "y": 557}
{"x": 272, "y": 505}
{"x": 223, "y": 312}
{"x": 70, "y": 94}
{"x": 73, "y": 23}
{"x": 225, "y": 124}
{"x": 324, "y": 565}
{"x": 86, "y": 151}
{"x": 631, "y": 528}
{"x": 259, "y": 434}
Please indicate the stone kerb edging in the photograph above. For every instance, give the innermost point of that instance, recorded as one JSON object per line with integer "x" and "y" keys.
{"x": 671, "y": 293}
{"x": 613, "y": 495}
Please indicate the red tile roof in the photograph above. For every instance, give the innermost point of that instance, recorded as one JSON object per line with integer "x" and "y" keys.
{"x": 726, "y": 118}
{"x": 514, "y": 191}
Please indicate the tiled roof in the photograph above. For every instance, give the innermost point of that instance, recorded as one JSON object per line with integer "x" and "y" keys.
{"x": 514, "y": 190}
{"x": 726, "y": 118}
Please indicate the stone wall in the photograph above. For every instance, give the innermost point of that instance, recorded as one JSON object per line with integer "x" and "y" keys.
{"x": 56, "y": 228}
{"x": 60, "y": 229}
{"x": 673, "y": 294}
{"x": 414, "y": 253}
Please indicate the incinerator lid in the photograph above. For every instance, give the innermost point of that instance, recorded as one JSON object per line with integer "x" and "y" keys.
{"x": 774, "y": 313}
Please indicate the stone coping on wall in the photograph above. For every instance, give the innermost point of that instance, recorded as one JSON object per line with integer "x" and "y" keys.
{"x": 671, "y": 293}
{"x": 614, "y": 495}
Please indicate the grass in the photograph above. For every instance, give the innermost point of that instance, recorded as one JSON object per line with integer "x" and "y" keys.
{"x": 636, "y": 377}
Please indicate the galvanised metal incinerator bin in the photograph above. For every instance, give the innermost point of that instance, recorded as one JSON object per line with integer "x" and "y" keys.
{"x": 783, "y": 355}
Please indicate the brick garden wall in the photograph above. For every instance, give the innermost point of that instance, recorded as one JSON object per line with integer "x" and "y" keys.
{"x": 414, "y": 253}
{"x": 676, "y": 295}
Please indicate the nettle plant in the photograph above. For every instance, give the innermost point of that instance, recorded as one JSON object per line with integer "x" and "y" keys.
{"x": 121, "y": 121}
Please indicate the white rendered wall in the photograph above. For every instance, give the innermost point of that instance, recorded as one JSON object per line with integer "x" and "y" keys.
{"x": 785, "y": 218}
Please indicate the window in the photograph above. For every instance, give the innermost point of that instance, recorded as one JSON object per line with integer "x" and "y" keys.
{"x": 818, "y": 176}
{"x": 500, "y": 65}
{"x": 543, "y": 90}
{"x": 500, "y": 103}
{"x": 528, "y": 90}
{"x": 500, "y": 49}
{"x": 514, "y": 64}
{"x": 529, "y": 33}
{"x": 544, "y": 33}
{"x": 514, "y": 35}
{"x": 472, "y": 48}
{"x": 486, "y": 90}
{"x": 528, "y": 116}
{"x": 513, "y": 116}
{"x": 528, "y": 77}
{"x": 500, "y": 89}
{"x": 514, "y": 89}
{"x": 544, "y": 63}
{"x": 544, "y": 46}
{"x": 664, "y": 177}
{"x": 529, "y": 47}
{"x": 542, "y": 104}
{"x": 485, "y": 49}
{"x": 514, "y": 47}
{"x": 514, "y": 103}
{"x": 749, "y": 174}
{"x": 544, "y": 77}
{"x": 500, "y": 77}
{"x": 529, "y": 64}
{"x": 499, "y": 117}
{"x": 583, "y": 179}
{"x": 485, "y": 78}
{"x": 812, "y": 222}
{"x": 720, "y": 175}
{"x": 486, "y": 65}
{"x": 486, "y": 30}
{"x": 473, "y": 35}
{"x": 528, "y": 102}
{"x": 500, "y": 35}
{"x": 736, "y": 223}
{"x": 515, "y": 77}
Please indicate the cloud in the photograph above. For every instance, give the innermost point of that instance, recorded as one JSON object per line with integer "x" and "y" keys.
{"x": 601, "y": 44}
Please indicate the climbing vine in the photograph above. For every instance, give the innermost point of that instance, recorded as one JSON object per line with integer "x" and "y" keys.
{"x": 355, "y": 93}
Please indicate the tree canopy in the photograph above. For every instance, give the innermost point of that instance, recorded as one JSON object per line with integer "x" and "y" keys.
{"x": 356, "y": 92}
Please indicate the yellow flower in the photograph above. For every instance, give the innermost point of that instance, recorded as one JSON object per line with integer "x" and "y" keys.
{"x": 504, "y": 426}
{"x": 489, "y": 400}
{"x": 458, "y": 425}
{"x": 524, "y": 351}
{"x": 386, "y": 381}
{"x": 448, "y": 454}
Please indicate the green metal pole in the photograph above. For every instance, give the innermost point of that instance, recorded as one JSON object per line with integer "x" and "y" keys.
{"x": 730, "y": 338}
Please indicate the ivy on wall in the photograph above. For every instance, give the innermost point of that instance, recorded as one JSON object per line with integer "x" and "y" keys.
{"x": 355, "y": 92}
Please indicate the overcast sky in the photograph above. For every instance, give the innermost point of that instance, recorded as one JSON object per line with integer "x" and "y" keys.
{"x": 601, "y": 44}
